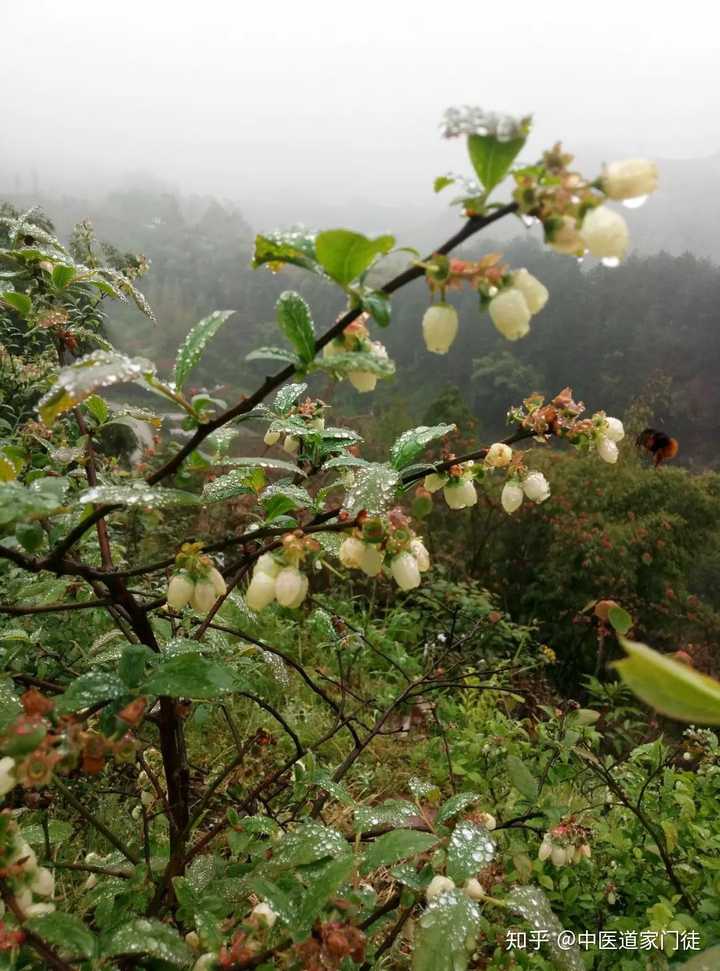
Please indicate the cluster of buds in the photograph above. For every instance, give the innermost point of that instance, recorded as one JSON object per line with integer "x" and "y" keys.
{"x": 389, "y": 540}
{"x": 572, "y": 210}
{"x": 310, "y": 412}
{"x": 355, "y": 339}
{"x": 332, "y": 943}
{"x": 565, "y": 844}
{"x": 277, "y": 577}
{"x": 512, "y": 297}
{"x": 197, "y": 581}
{"x": 21, "y": 873}
{"x": 440, "y": 885}
{"x": 457, "y": 484}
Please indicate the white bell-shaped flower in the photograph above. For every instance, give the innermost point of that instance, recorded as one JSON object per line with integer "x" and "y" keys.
{"x": 218, "y": 581}
{"x": 271, "y": 438}
{"x": 605, "y": 233}
{"x": 440, "y": 327}
{"x": 180, "y": 590}
{"x": 204, "y": 596}
{"x": 536, "y": 487}
{"x": 607, "y": 450}
{"x": 512, "y": 497}
{"x": 371, "y": 559}
{"x": 613, "y": 429}
{"x": 438, "y": 886}
{"x": 350, "y": 552}
{"x": 291, "y": 444}
{"x": 630, "y": 178}
{"x": 261, "y": 591}
{"x": 405, "y": 571}
{"x": 460, "y": 494}
{"x": 265, "y": 912}
{"x": 267, "y": 564}
{"x": 7, "y": 774}
{"x": 498, "y": 455}
{"x": 419, "y": 551}
{"x": 291, "y": 587}
{"x": 536, "y": 293}
{"x": 510, "y": 314}
{"x": 362, "y": 381}
{"x": 43, "y": 882}
{"x": 474, "y": 889}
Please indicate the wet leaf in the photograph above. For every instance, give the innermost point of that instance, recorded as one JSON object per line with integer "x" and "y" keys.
{"x": 374, "y": 489}
{"x": 532, "y": 905}
{"x": 192, "y": 348}
{"x": 446, "y": 933}
{"x": 492, "y": 158}
{"x": 345, "y": 255}
{"x": 65, "y": 932}
{"x": 139, "y": 494}
{"x": 295, "y": 320}
{"x": 414, "y": 441}
{"x": 470, "y": 849}
{"x": 286, "y": 398}
{"x": 88, "y": 690}
{"x": 189, "y": 675}
{"x": 294, "y": 246}
{"x": 151, "y": 937}
{"x": 395, "y": 846}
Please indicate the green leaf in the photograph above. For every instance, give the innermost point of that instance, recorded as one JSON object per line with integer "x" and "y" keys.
{"x": 392, "y": 812}
{"x": 138, "y": 494}
{"x": 348, "y": 361}
{"x": 263, "y": 463}
{"x": 414, "y": 441}
{"x": 286, "y": 398}
{"x": 295, "y": 246}
{"x": 522, "y": 778}
{"x": 374, "y": 489}
{"x": 10, "y": 706}
{"x": 66, "y": 932}
{"x": 307, "y": 844}
{"x": 97, "y": 370}
{"x": 442, "y": 182}
{"x": 470, "y": 849}
{"x": 192, "y": 348}
{"x": 88, "y": 690}
{"x": 189, "y": 675}
{"x": 446, "y": 933}
{"x": 280, "y": 354}
{"x": 151, "y": 937}
{"x": 18, "y": 301}
{"x": 378, "y": 305}
{"x": 98, "y": 408}
{"x": 294, "y": 497}
{"x": 239, "y": 482}
{"x": 671, "y": 687}
{"x": 620, "y": 620}
{"x": 346, "y": 255}
{"x": 31, "y": 536}
{"x": 62, "y": 275}
{"x": 397, "y": 845}
{"x": 40, "y": 499}
{"x": 296, "y": 322}
{"x": 456, "y": 804}
{"x": 492, "y": 158}
{"x": 132, "y": 664}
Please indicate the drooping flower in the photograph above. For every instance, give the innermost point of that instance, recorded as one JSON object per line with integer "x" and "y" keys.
{"x": 535, "y": 293}
{"x": 261, "y": 591}
{"x": 291, "y": 587}
{"x": 180, "y": 590}
{"x": 291, "y": 445}
{"x": 43, "y": 882}
{"x": 607, "y": 450}
{"x": 350, "y": 551}
{"x": 438, "y": 886}
{"x": 7, "y": 775}
{"x": 498, "y": 455}
{"x": 536, "y": 488}
{"x": 510, "y": 314}
{"x": 271, "y": 438}
{"x": 364, "y": 381}
{"x": 371, "y": 559}
{"x": 613, "y": 429}
{"x": 422, "y": 557}
{"x": 605, "y": 233}
{"x": 512, "y": 497}
{"x": 630, "y": 178}
{"x": 474, "y": 889}
{"x": 405, "y": 571}
{"x": 265, "y": 913}
{"x": 440, "y": 327}
{"x": 204, "y": 596}
{"x": 460, "y": 494}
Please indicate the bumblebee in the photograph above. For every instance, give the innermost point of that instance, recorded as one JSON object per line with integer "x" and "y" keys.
{"x": 658, "y": 444}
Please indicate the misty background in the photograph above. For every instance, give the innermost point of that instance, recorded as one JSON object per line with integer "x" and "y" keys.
{"x": 180, "y": 130}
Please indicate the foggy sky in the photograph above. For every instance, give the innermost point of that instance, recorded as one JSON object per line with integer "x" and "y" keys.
{"x": 326, "y": 99}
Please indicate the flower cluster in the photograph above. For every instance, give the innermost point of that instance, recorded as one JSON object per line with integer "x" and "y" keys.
{"x": 310, "y": 413}
{"x": 533, "y": 486}
{"x": 457, "y": 484}
{"x": 440, "y": 885}
{"x": 473, "y": 120}
{"x": 355, "y": 339}
{"x": 572, "y": 210}
{"x": 565, "y": 844}
{"x": 20, "y": 870}
{"x": 276, "y": 575}
{"x": 197, "y": 581}
{"x": 512, "y": 309}
{"x": 388, "y": 540}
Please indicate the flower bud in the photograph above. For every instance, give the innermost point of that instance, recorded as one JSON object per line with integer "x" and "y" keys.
{"x": 558, "y": 856}
{"x": 291, "y": 587}
{"x": 371, "y": 559}
{"x": 192, "y": 940}
{"x": 218, "y": 581}
{"x": 422, "y": 557}
{"x": 630, "y": 178}
{"x": 207, "y": 962}
{"x": 405, "y": 571}
{"x": 498, "y": 455}
{"x": 460, "y": 495}
{"x": 545, "y": 850}
{"x": 607, "y": 450}
{"x": 180, "y": 591}
{"x": 43, "y": 882}
{"x": 434, "y": 481}
{"x": 350, "y": 551}
{"x": 487, "y": 820}
{"x": 605, "y": 233}
{"x": 271, "y": 438}
{"x": 437, "y": 886}
{"x": 7, "y": 775}
{"x": 474, "y": 889}
{"x": 265, "y": 912}
{"x": 267, "y": 564}
{"x": 535, "y": 293}
{"x": 261, "y": 591}
{"x": 291, "y": 445}
{"x": 204, "y": 596}
{"x": 613, "y": 429}
{"x": 536, "y": 487}
{"x": 440, "y": 327}
{"x": 510, "y": 314}
{"x": 362, "y": 381}
{"x": 512, "y": 497}
{"x": 564, "y": 238}
{"x": 39, "y": 910}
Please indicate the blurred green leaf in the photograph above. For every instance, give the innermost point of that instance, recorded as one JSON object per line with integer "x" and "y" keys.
{"x": 346, "y": 255}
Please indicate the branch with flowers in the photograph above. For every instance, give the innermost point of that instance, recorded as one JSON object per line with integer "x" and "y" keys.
{"x": 312, "y": 506}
